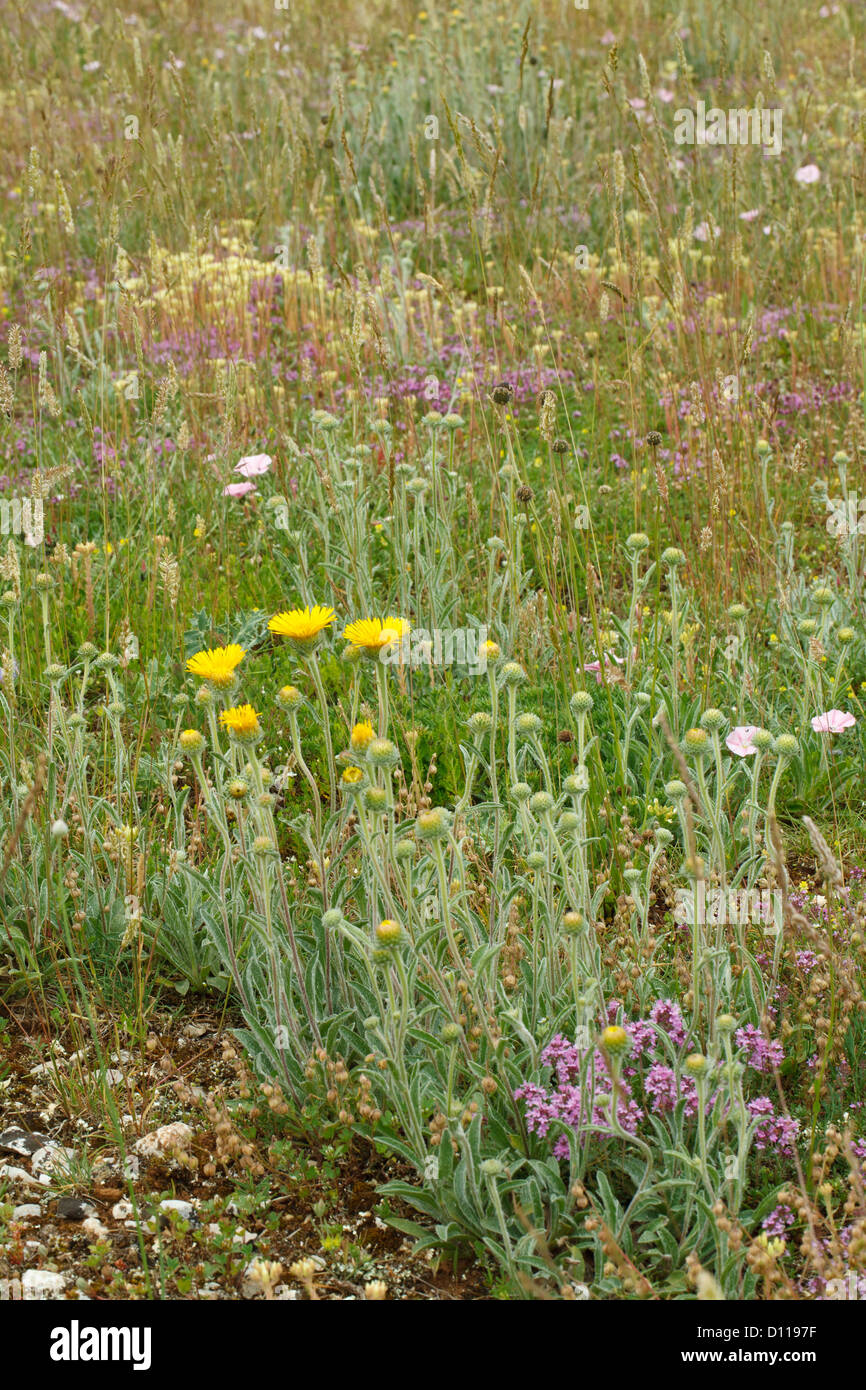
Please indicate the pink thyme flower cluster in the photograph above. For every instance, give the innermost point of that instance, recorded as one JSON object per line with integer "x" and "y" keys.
{"x": 581, "y": 1093}
{"x": 666, "y": 1090}
{"x": 586, "y": 1107}
{"x": 774, "y": 1131}
{"x": 780, "y": 1219}
{"x": 761, "y": 1053}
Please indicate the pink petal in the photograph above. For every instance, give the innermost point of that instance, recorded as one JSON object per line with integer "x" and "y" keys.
{"x": 238, "y": 489}
{"x": 834, "y": 721}
{"x": 739, "y": 740}
{"x": 253, "y": 465}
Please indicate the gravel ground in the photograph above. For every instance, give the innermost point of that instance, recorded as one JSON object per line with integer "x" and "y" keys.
{"x": 196, "y": 1190}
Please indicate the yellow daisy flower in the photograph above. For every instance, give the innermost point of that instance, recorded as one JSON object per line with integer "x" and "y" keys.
{"x": 361, "y": 735}
{"x": 371, "y": 635}
{"x": 302, "y": 625}
{"x": 242, "y": 721}
{"x": 217, "y": 665}
{"x": 352, "y": 776}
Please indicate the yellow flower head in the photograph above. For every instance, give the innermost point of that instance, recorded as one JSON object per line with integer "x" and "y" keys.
{"x": 242, "y": 721}
{"x": 302, "y": 625}
{"x": 372, "y": 635}
{"x": 614, "y": 1039}
{"x": 361, "y": 735}
{"x": 218, "y": 665}
{"x": 352, "y": 776}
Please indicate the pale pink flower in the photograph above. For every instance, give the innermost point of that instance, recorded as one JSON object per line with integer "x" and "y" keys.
{"x": 833, "y": 722}
{"x": 807, "y": 173}
{"x": 595, "y": 666}
{"x": 664, "y": 94}
{"x": 739, "y": 740}
{"x": 705, "y": 231}
{"x": 238, "y": 489}
{"x": 750, "y": 215}
{"x": 253, "y": 465}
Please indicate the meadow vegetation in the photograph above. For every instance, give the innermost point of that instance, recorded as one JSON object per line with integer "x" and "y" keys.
{"x": 432, "y": 631}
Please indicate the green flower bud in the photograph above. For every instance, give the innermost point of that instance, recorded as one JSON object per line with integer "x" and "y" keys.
{"x": 696, "y": 741}
{"x": 580, "y": 703}
{"x": 433, "y": 824}
{"x": 290, "y": 697}
{"x": 573, "y": 922}
{"x": 713, "y": 721}
{"x": 389, "y": 933}
{"x": 636, "y": 542}
{"x": 513, "y": 673}
{"x": 614, "y": 1040}
{"x": 381, "y": 752}
{"x": 492, "y": 1168}
{"x": 480, "y": 722}
{"x": 528, "y": 724}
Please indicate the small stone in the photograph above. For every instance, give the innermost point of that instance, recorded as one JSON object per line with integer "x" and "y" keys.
{"x": 112, "y": 1077}
{"x": 27, "y": 1212}
{"x": 44, "y": 1068}
{"x": 185, "y": 1210}
{"x": 53, "y": 1158}
{"x": 21, "y": 1175}
{"x": 21, "y": 1141}
{"x": 42, "y": 1283}
{"x": 73, "y": 1209}
{"x": 94, "y": 1227}
{"x": 164, "y": 1141}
